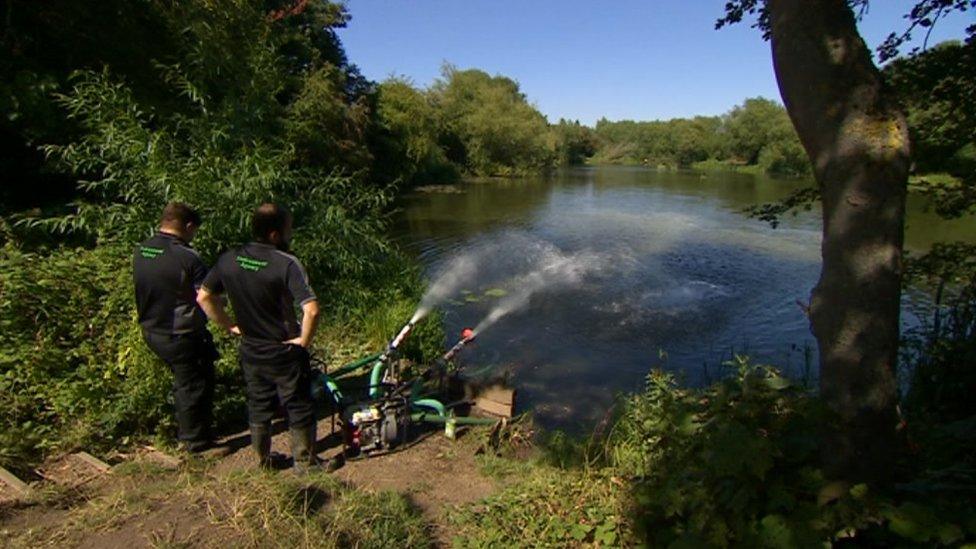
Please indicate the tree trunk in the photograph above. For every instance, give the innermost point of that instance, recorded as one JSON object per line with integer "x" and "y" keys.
{"x": 857, "y": 140}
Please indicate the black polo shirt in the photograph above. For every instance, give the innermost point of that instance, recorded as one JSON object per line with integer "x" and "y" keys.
{"x": 265, "y": 286}
{"x": 167, "y": 274}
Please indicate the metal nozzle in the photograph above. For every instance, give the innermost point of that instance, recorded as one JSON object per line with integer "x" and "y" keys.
{"x": 467, "y": 336}
{"x": 401, "y": 336}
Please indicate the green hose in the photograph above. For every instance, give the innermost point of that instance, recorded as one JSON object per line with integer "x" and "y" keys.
{"x": 333, "y": 388}
{"x": 355, "y": 365}
{"x": 463, "y": 420}
{"x": 374, "y": 379}
{"x": 430, "y": 403}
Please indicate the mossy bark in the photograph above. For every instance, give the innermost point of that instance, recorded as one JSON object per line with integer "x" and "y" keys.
{"x": 857, "y": 140}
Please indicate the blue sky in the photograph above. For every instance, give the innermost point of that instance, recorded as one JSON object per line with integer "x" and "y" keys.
{"x": 625, "y": 59}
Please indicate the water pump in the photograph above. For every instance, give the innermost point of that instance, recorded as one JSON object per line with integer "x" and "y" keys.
{"x": 377, "y": 427}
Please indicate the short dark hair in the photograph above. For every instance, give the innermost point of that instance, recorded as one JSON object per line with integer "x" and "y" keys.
{"x": 178, "y": 213}
{"x": 268, "y": 218}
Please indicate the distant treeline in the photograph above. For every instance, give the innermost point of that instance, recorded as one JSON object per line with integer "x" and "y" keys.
{"x": 757, "y": 134}
{"x": 471, "y": 123}
{"x": 935, "y": 87}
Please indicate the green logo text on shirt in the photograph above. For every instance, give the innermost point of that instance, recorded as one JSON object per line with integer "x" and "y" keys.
{"x": 149, "y": 252}
{"x": 251, "y": 264}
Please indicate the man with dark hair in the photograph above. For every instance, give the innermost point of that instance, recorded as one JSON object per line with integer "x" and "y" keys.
{"x": 167, "y": 274}
{"x": 264, "y": 284}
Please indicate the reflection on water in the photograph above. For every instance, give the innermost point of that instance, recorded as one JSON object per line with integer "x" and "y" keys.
{"x": 676, "y": 277}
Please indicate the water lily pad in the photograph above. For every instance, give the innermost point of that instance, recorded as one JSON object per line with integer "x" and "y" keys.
{"x": 495, "y": 292}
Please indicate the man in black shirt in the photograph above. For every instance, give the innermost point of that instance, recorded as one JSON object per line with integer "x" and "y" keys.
{"x": 265, "y": 284}
{"x": 167, "y": 274}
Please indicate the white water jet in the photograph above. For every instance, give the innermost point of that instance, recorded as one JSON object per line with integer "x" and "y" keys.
{"x": 449, "y": 282}
{"x": 554, "y": 270}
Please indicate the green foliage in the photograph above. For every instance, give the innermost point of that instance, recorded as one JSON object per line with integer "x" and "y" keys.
{"x": 491, "y": 129}
{"x": 784, "y": 157}
{"x": 414, "y": 129}
{"x": 549, "y": 508}
{"x": 574, "y": 142}
{"x": 328, "y": 127}
{"x": 757, "y": 133}
{"x": 937, "y": 91}
{"x": 232, "y": 122}
{"x": 735, "y": 464}
{"x": 242, "y": 61}
{"x": 938, "y": 352}
{"x": 74, "y": 370}
{"x": 755, "y": 124}
{"x": 138, "y": 162}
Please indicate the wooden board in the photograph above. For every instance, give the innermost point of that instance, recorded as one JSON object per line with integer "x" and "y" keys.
{"x": 496, "y": 400}
{"x": 499, "y": 394}
{"x": 494, "y": 408}
{"x": 89, "y": 459}
{"x": 161, "y": 458}
{"x": 12, "y": 481}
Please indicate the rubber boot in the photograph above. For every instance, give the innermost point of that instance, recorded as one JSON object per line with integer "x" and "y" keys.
{"x": 261, "y": 443}
{"x": 303, "y": 448}
{"x": 303, "y": 451}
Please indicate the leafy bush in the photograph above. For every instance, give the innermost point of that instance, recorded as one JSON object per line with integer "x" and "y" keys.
{"x": 74, "y": 370}
{"x": 785, "y": 157}
{"x": 756, "y": 135}
{"x": 414, "y": 129}
{"x": 549, "y": 507}
{"x": 735, "y": 464}
{"x": 494, "y": 129}
{"x": 574, "y": 142}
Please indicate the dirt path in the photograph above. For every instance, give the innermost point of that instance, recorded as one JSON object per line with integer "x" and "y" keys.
{"x": 146, "y": 502}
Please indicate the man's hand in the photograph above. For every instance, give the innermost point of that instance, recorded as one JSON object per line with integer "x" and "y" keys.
{"x": 310, "y": 320}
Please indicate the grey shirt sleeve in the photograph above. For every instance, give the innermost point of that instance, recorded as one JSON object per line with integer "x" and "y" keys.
{"x": 197, "y": 270}
{"x": 213, "y": 282}
{"x": 296, "y": 279}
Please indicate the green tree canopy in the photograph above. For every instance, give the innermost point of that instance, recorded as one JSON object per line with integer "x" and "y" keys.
{"x": 491, "y": 128}
{"x": 938, "y": 91}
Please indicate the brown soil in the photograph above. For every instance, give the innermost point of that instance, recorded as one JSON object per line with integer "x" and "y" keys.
{"x": 431, "y": 471}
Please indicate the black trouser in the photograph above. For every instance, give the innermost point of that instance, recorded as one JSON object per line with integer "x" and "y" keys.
{"x": 191, "y": 359}
{"x": 290, "y": 381}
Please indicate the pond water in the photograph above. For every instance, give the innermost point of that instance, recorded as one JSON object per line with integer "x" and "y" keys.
{"x": 617, "y": 270}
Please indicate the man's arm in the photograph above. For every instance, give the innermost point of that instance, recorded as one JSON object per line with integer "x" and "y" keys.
{"x": 213, "y": 306}
{"x": 310, "y": 321}
{"x": 301, "y": 291}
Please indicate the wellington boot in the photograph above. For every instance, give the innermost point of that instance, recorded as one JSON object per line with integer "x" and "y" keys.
{"x": 303, "y": 448}
{"x": 303, "y": 452}
{"x": 261, "y": 443}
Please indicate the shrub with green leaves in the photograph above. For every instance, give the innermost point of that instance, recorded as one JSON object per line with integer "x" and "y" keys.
{"x": 736, "y": 464}
{"x": 74, "y": 368}
{"x": 549, "y": 507}
{"x": 491, "y": 129}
